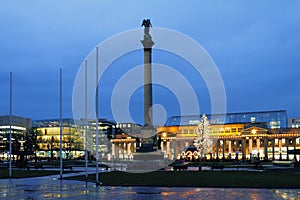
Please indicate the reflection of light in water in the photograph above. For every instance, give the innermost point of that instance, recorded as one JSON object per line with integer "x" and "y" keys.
{"x": 53, "y": 195}
{"x": 78, "y": 190}
{"x": 288, "y": 194}
{"x": 253, "y": 196}
{"x": 168, "y": 193}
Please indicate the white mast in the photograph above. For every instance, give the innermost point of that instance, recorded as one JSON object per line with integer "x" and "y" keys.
{"x": 10, "y": 125}
{"x": 60, "y": 125}
{"x": 86, "y": 123}
{"x": 97, "y": 118}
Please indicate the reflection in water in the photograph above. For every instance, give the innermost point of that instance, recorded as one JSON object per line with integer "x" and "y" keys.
{"x": 56, "y": 189}
{"x": 288, "y": 194}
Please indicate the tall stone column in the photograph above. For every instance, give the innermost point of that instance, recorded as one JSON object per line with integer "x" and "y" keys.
{"x": 119, "y": 151}
{"x": 237, "y": 149}
{"x": 124, "y": 150}
{"x": 273, "y": 149}
{"x": 250, "y": 147}
{"x": 175, "y": 149}
{"x": 258, "y": 148}
{"x": 266, "y": 148}
{"x": 229, "y": 147}
{"x": 223, "y": 149}
{"x": 294, "y": 144}
{"x": 129, "y": 150}
{"x": 147, "y": 44}
{"x": 243, "y": 148}
{"x": 168, "y": 149}
{"x": 113, "y": 150}
{"x": 280, "y": 148}
{"x": 287, "y": 141}
{"x": 217, "y": 149}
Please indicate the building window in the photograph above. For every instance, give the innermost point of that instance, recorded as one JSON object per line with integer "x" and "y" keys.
{"x": 233, "y": 130}
{"x": 194, "y": 122}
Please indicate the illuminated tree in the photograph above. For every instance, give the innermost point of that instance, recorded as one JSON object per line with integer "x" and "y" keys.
{"x": 203, "y": 141}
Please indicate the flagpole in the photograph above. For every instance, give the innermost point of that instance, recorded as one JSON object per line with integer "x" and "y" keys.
{"x": 10, "y": 125}
{"x": 86, "y": 127}
{"x": 97, "y": 119}
{"x": 60, "y": 123}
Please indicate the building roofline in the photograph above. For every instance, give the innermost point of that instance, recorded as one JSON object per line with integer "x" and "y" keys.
{"x": 249, "y": 112}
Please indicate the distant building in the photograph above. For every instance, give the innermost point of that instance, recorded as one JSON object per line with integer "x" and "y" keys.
{"x": 131, "y": 129}
{"x": 125, "y": 142}
{"x": 74, "y": 140}
{"x": 294, "y": 122}
{"x": 20, "y": 126}
{"x": 247, "y": 135}
{"x": 106, "y": 131}
{"x": 48, "y": 139}
{"x": 273, "y": 119}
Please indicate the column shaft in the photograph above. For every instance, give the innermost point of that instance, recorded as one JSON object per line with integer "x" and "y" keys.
{"x": 217, "y": 149}
{"x": 223, "y": 149}
{"x": 250, "y": 147}
{"x": 280, "y": 148}
{"x": 243, "y": 148}
{"x": 287, "y": 142}
{"x": 273, "y": 149}
{"x": 266, "y": 148}
{"x": 148, "y": 115}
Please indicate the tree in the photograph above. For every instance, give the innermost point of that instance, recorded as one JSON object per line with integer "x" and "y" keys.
{"x": 203, "y": 141}
{"x": 31, "y": 144}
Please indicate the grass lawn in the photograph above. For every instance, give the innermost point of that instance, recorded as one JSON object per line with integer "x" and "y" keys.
{"x": 245, "y": 179}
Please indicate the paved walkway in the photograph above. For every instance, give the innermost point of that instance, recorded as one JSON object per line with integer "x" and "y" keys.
{"x": 51, "y": 187}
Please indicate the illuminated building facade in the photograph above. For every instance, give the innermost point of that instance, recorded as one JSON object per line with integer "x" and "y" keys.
{"x": 273, "y": 119}
{"x": 48, "y": 139}
{"x": 124, "y": 143}
{"x": 106, "y": 131}
{"x": 260, "y": 135}
{"x": 20, "y": 126}
{"x": 73, "y": 138}
{"x": 294, "y": 122}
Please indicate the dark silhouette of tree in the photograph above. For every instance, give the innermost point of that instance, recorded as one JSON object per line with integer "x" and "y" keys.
{"x": 30, "y": 145}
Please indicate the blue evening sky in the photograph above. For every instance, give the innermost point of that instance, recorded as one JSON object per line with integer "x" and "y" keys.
{"x": 255, "y": 45}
